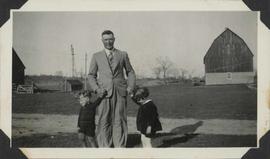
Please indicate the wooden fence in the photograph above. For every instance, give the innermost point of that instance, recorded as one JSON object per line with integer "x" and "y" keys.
{"x": 25, "y": 89}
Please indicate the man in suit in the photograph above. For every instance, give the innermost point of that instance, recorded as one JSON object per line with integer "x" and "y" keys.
{"x": 107, "y": 76}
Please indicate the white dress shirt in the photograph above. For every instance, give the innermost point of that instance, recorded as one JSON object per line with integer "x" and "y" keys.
{"x": 109, "y": 51}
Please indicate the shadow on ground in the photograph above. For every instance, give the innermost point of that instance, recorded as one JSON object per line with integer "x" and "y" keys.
{"x": 177, "y": 135}
{"x": 187, "y": 129}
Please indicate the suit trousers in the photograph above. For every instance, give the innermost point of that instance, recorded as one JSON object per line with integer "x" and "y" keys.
{"x": 112, "y": 127}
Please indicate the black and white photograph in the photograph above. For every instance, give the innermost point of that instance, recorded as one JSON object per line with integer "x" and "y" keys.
{"x": 134, "y": 79}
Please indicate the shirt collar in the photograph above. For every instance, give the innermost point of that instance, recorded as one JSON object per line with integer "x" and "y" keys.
{"x": 108, "y": 51}
{"x": 148, "y": 100}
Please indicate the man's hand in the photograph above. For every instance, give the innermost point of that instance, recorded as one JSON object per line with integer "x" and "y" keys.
{"x": 101, "y": 92}
{"x": 83, "y": 100}
{"x": 130, "y": 92}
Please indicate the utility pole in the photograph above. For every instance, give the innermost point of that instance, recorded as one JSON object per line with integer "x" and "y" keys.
{"x": 85, "y": 73}
{"x": 73, "y": 61}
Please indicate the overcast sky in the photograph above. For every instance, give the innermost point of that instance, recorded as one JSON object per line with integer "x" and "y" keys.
{"x": 42, "y": 39}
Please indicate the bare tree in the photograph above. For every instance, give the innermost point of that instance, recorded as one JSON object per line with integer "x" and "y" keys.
{"x": 157, "y": 71}
{"x": 164, "y": 64}
{"x": 190, "y": 74}
{"x": 59, "y": 73}
{"x": 183, "y": 73}
{"x": 174, "y": 72}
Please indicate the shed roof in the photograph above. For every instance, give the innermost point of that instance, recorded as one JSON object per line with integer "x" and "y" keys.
{"x": 74, "y": 82}
{"x": 16, "y": 61}
{"x": 224, "y": 32}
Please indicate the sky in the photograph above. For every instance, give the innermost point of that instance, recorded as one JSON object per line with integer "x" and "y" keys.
{"x": 42, "y": 39}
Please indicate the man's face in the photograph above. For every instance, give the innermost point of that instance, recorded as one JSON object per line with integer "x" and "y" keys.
{"x": 108, "y": 41}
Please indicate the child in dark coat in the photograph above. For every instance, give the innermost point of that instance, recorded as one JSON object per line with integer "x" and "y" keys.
{"x": 147, "y": 117}
{"x": 86, "y": 121}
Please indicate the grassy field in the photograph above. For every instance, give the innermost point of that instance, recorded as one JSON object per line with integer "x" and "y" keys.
{"x": 173, "y": 101}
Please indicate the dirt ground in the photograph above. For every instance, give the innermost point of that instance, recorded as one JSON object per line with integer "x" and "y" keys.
{"x": 30, "y": 128}
{"x": 70, "y": 140}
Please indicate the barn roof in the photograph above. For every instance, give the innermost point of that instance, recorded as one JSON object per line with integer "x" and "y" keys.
{"x": 74, "y": 82}
{"x": 224, "y": 32}
{"x": 16, "y": 61}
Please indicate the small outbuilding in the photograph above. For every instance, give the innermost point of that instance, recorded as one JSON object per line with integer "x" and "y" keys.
{"x": 17, "y": 69}
{"x": 18, "y": 76}
{"x": 73, "y": 85}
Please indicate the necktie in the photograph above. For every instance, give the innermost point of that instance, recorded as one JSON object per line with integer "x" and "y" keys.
{"x": 110, "y": 57}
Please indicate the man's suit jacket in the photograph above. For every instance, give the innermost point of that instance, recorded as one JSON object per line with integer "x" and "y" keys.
{"x": 101, "y": 75}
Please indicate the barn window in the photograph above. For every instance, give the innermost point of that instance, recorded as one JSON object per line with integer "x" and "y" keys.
{"x": 229, "y": 75}
{"x": 228, "y": 49}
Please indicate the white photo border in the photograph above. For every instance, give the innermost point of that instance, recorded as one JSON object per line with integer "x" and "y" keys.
{"x": 263, "y": 100}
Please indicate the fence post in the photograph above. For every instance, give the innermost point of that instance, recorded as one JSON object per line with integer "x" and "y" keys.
{"x": 32, "y": 87}
{"x": 65, "y": 85}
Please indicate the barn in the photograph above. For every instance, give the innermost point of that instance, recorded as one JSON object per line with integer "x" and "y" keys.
{"x": 73, "y": 85}
{"x": 228, "y": 61}
{"x": 17, "y": 69}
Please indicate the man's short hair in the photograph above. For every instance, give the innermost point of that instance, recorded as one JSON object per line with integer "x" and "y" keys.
{"x": 107, "y": 32}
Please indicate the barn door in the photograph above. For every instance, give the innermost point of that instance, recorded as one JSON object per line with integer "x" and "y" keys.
{"x": 229, "y": 75}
